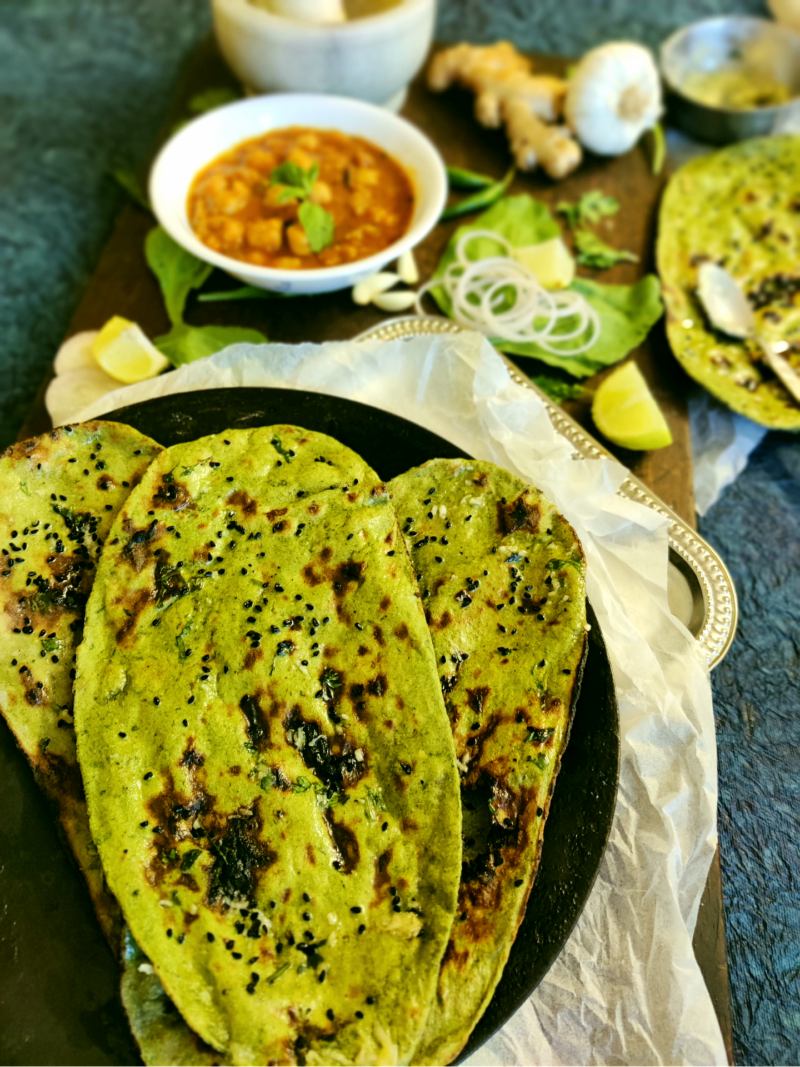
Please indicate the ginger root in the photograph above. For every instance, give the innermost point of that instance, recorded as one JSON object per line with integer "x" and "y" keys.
{"x": 534, "y": 143}
{"x": 504, "y": 86}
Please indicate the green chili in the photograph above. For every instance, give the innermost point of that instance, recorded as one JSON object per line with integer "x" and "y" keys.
{"x": 484, "y": 198}
{"x": 659, "y": 147}
{"x": 467, "y": 179}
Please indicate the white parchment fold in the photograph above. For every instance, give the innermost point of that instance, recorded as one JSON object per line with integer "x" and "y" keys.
{"x": 626, "y": 988}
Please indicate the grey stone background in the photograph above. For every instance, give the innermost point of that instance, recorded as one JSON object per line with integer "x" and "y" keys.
{"x": 83, "y": 87}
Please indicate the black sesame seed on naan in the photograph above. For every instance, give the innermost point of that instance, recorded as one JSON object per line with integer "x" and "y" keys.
{"x": 269, "y": 768}
{"x": 501, "y": 574}
{"x": 59, "y": 495}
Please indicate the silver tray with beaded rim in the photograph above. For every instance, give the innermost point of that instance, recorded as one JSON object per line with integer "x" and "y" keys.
{"x": 700, "y": 589}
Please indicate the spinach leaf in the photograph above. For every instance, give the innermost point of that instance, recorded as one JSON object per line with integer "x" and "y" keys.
{"x": 177, "y": 270}
{"x": 185, "y": 344}
{"x": 128, "y": 181}
{"x": 520, "y": 219}
{"x": 212, "y": 98}
{"x": 627, "y": 312}
{"x": 245, "y": 292}
{"x": 596, "y": 254}
{"x": 318, "y": 224}
{"x": 557, "y": 390}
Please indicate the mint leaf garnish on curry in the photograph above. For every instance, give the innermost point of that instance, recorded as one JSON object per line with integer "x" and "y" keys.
{"x": 298, "y": 184}
{"x": 301, "y": 199}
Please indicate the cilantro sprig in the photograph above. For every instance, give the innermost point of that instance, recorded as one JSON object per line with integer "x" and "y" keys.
{"x": 596, "y": 254}
{"x": 592, "y": 251}
{"x": 591, "y": 208}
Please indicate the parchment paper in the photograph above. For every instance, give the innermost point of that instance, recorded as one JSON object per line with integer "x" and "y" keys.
{"x": 626, "y": 988}
{"x": 721, "y": 445}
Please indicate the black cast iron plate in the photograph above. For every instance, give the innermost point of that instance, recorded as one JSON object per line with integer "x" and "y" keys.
{"x": 60, "y": 999}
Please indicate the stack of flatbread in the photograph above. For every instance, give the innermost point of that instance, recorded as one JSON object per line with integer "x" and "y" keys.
{"x": 302, "y": 727}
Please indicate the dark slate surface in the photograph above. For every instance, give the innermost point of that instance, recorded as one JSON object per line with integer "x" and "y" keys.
{"x": 756, "y": 528}
{"x": 83, "y": 86}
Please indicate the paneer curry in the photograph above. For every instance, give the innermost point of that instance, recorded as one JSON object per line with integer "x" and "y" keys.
{"x": 299, "y": 199}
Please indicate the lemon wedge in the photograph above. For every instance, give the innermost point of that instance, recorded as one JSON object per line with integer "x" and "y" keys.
{"x": 550, "y": 261}
{"x": 625, "y": 411}
{"x": 124, "y": 352}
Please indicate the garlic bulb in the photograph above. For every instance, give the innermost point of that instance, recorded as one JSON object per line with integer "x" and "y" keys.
{"x": 614, "y": 95}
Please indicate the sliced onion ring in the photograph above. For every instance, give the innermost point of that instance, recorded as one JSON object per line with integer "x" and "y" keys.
{"x": 479, "y": 288}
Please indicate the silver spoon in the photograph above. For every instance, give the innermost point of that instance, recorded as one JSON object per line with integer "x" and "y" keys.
{"x": 730, "y": 311}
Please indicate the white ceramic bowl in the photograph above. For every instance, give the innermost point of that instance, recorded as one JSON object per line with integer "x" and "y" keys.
{"x": 372, "y": 58}
{"x": 201, "y": 141}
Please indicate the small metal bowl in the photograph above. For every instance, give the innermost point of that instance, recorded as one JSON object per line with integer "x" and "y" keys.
{"x": 756, "y": 46}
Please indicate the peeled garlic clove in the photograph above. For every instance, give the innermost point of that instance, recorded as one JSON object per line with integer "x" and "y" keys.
{"x": 69, "y": 393}
{"x": 400, "y": 301}
{"x": 76, "y": 352}
{"x": 407, "y": 268}
{"x": 376, "y": 283}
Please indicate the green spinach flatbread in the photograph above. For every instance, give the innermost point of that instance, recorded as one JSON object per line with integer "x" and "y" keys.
{"x": 59, "y": 495}
{"x": 501, "y": 574}
{"x": 269, "y": 769}
{"x": 163, "y": 1037}
{"x": 739, "y": 207}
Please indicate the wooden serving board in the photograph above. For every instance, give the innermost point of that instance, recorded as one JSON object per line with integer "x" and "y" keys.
{"x": 123, "y": 285}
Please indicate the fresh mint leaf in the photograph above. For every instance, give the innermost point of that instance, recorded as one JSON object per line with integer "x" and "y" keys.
{"x": 296, "y": 179}
{"x": 51, "y": 644}
{"x": 212, "y": 98}
{"x": 596, "y": 254}
{"x": 318, "y": 224}
{"x": 24, "y": 488}
{"x": 177, "y": 270}
{"x": 291, "y": 192}
{"x": 185, "y": 344}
